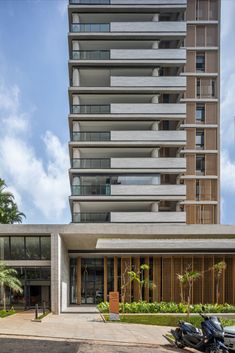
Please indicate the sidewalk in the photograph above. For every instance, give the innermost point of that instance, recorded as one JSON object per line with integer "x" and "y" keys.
{"x": 82, "y": 326}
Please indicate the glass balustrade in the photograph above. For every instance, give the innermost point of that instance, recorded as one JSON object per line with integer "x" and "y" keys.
{"x": 90, "y": 27}
{"x": 91, "y": 163}
{"x": 90, "y": 2}
{"x": 86, "y": 190}
{"x": 91, "y": 109}
{"x": 91, "y": 217}
{"x": 91, "y": 54}
{"x": 91, "y": 136}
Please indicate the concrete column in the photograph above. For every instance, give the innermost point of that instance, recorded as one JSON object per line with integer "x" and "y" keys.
{"x": 178, "y": 209}
{"x": 75, "y": 45}
{"x": 76, "y": 126}
{"x": 155, "y": 207}
{"x": 76, "y": 77}
{"x": 55, "y": 273}
{"x": 156, "y": 17}
{"x": 76, "y": 153}
{"x": 76, "y": 207}
{"x": 64, "y": 272}
{"x": 155, "y": 153}
{"x": 76, "y": 99}
{"x": 155, "y": 71}
{"x": 155, "y": 126}
{"x": 155, "y": 45}
{"x": 75, "y": 17}
{"x": 155, "y": 99}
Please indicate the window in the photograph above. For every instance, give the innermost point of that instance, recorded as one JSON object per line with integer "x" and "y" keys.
{"x": 200, "y": 113}
{"x": 200, "y": 62}
{"x": 45, "y": 248}
{"x": 197, "y": 190}
{"x": 32, "y": 248}
{"x": 206, "y": 88}
{"x": 200, "y": 164}
{"x": 17, "y": 248}
{"x": 199, "y": 139}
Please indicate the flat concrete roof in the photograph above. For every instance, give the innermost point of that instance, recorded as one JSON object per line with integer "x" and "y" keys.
{"x": 123, "y": 229}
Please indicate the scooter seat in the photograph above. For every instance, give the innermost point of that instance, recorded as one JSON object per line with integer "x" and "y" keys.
{"x": 230, "y": 330}
{"x": 192, "y": 328}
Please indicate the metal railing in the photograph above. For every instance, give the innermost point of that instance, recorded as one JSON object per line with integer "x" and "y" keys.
{"x": 91, "y": 163}
{"x": 90, "y": 2}
{"x": 91, "y": 109}
{"x": 91, "y": 217}
{"x": 86, "y": 190}
{"x": 91, "y": 54}
{"x": 91, "y": 136}
{"x": 90, "y": 27}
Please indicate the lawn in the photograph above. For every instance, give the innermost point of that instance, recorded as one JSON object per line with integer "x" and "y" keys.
{"x": 164, "y": 320}
{"x": 4, "y": 313}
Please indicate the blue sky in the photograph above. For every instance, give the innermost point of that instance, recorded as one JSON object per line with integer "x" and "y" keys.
{"x": 34, "y": 108}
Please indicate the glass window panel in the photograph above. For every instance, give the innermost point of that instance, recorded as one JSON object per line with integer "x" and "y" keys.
{"x": 4, "y": 248}
{"x": 200, "y": 62}
{"x": 17, "y": 248}
{"x": 200, "y": 113}
{"x": 32, "y": 248}
{"x": 45, "y": 248}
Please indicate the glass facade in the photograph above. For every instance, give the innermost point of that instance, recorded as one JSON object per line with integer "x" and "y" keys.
{"x": 25, "y": 248}
{"x": 36, "y": 288}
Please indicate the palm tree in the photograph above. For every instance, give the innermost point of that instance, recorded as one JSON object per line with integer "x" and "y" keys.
{"x": 8, "y": 279}
{"x": 9, "y": 212}
{"x": 138, "y": 277}
{"x": 218, "y": 268}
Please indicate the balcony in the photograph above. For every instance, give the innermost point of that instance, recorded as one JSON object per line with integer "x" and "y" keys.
{"x": 91, "y": 136}
{"x": 170, "y": 191}
{"x": 157, "y": 55}
{"x": 161, "y": 137}
{"x": 91, "y": 217}
{"x": 90, "y": 27}
{"x": 87, "y": 190}
{"x": 129, "y": 2}
{"x": 91, "y": 54}
{"x": 91, "y": 109}
{"x": 130, "y": 217}
{"x": 176, "y": 165}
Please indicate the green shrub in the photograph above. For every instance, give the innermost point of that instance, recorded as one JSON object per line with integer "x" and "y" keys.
{"x": 168, "y": 307}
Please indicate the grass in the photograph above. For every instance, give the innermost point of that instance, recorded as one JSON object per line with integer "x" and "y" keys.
{"x": 43, "y": 315}
{"x": 5, "y": 313}
{"x": 164, "y": 320}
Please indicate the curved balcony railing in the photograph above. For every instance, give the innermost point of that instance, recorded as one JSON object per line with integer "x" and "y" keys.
{"x": 91, "y": 217}
{"x": 87, "y": 190}
{"x": 91, "y": 136}
{"x": 90, "y": 27}
{"x": 91, "y": 54}
{"x": 91, "y": 163}
{"x": 91, "y": 109}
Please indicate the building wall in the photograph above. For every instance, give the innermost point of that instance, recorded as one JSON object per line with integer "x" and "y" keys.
{"x": 203, "y": 38}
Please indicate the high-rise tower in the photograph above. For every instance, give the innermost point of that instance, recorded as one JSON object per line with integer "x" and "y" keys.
{"x": 143, "y": 100}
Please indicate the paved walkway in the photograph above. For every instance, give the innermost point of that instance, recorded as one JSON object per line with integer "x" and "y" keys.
{"x": 82, "y": 326}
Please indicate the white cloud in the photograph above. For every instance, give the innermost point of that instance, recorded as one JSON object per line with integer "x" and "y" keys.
{"x": 227, "y": 172}
{"x": 36, "y": 183}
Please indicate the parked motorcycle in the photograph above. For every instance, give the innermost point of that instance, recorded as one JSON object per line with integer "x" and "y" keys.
{"x": 229, "y": 337}
{"x": 210, "y": 339}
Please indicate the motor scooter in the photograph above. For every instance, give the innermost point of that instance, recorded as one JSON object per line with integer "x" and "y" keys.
{"x": 208, "y": 339}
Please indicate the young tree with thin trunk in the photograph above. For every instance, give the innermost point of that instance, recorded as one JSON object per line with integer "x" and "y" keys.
{"x": 218, "y": 268}
{"x": 8, "y": 279}
{"x": 138, "y": 276}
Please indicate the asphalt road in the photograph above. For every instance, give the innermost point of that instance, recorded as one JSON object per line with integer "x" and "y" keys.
{"x": 24, "y": 345}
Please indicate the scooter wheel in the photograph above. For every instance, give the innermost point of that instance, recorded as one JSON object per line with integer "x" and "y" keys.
{"x": 179, "y": 344}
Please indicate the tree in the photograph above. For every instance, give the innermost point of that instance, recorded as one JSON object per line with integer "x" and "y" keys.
{"x": 183, "y": 282}
{"x": 138, "y": 276}
{"x": 8, "y": 279}
{"x": 218, "y": 268}
{"x": 188, "y": 277}
{"x": 9, "y": 212}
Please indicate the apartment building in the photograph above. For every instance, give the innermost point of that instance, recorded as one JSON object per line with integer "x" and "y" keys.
{"x": 144, "y": 150}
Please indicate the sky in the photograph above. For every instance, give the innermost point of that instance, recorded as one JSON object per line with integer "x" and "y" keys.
{"x": 34, "y": 132}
